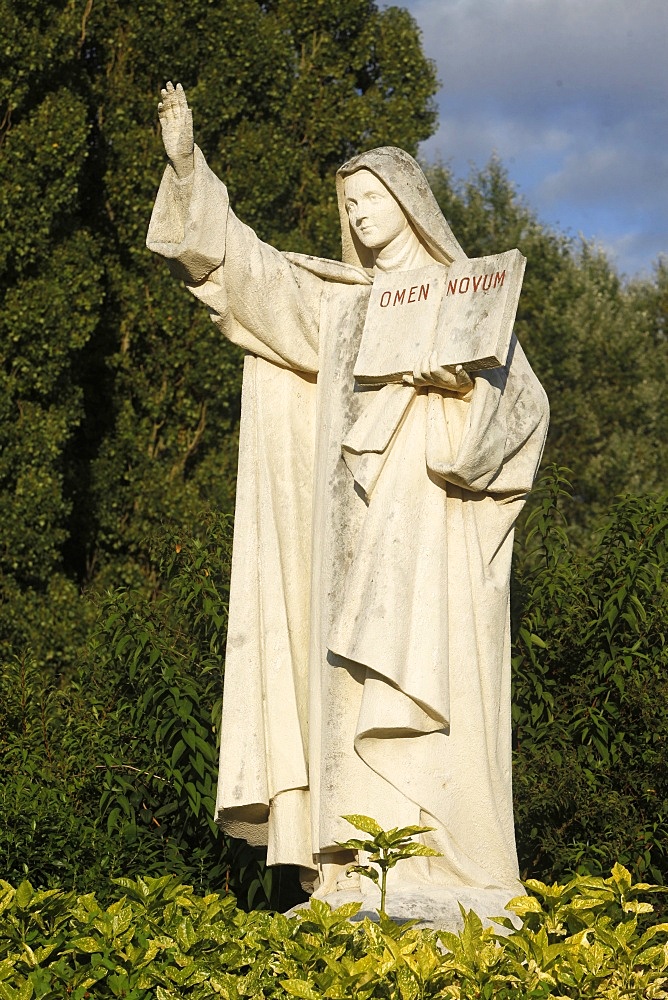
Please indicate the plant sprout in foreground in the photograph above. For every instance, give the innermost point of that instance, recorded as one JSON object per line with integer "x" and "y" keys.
{"x": 385, "y": 849}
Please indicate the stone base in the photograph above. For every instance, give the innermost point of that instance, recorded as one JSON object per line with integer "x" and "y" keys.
{"x": 436, "y": 907}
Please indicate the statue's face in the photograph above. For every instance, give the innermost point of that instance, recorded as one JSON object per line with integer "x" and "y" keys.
{"x": 375, "y": 217}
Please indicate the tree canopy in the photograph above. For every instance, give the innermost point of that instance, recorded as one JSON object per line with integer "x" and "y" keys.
{"x": 119, "y": 400}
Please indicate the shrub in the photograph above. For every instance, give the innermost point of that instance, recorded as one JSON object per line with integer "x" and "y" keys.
{"x": 115, "y": 772}
{"x": 159, "y": 939}
{"x": 591, "y": 690}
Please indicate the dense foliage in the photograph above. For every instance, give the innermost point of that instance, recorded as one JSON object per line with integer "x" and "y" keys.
{"x": 116, "y": 772}
{"x": 118, "y": 399}
{"x": 158, "y": 939}
{"x": 591, "y": 689}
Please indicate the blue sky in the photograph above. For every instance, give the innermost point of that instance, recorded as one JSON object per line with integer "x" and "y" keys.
{"x": 573, "y": 97}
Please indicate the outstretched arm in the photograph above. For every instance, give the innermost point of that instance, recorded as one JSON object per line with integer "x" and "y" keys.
{"x": 176, "y": 123}
{"x": 255, "y": 296}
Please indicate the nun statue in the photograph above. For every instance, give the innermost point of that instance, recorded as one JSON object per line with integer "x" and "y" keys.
{"x": 368, "y": 652}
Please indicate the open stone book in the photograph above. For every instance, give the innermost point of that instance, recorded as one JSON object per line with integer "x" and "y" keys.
{"x": 465, "y": 313}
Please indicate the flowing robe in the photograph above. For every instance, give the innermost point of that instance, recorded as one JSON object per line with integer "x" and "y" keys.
{"x": 368, "y": 652}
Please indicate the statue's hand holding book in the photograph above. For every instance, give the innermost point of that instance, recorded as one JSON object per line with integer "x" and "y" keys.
{"x": 440, "y": 322}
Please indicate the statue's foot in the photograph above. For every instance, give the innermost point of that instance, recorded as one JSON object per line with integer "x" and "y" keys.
{"x": 333, "y": 877}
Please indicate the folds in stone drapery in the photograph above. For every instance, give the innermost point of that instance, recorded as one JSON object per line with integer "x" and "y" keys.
{"x": 410, "y": 572}
{"x": 426, "y": 606}
{"x": 496, "y": 443}
{"x": 255, "y": 296}
{"x": 369, "y": 441}
{"x": 183, "y": 234}
{"x": 263, "y": 779}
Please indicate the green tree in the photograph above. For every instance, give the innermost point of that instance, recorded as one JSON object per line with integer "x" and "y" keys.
{"x": 51, "y": 293}
{"x": 119, "y": 399}
{"x": 598, "y": 346}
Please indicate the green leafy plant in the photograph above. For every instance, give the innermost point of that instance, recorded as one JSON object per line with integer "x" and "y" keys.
{"x": 384, "y": 849}
{"x": 114, "y": 773}
{"x": 156, "y": 939}
{"x": 165, "y": 653}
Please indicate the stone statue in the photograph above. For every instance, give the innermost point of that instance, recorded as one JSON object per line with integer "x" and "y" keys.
{"x": 368, "y": 654}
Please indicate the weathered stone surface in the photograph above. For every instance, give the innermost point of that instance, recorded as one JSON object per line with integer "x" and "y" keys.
{"x": 436, "y": 908}
{"x": 463, "y": 315}
{"x": 368, "y": 657}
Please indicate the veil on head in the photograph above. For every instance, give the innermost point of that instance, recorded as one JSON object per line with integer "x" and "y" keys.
{"x": 403, "y": 177}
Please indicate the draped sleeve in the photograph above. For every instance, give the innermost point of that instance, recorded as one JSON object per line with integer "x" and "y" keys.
{"x": 258, "y": 298}
{"x": 493, "y": 440}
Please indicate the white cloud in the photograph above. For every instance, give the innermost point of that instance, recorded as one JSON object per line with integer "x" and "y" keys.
{"x": 622, "y": 175}
{"x": 573, "y": 96}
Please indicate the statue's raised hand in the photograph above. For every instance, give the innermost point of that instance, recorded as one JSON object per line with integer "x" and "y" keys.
{"x": 176, "y": 123}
